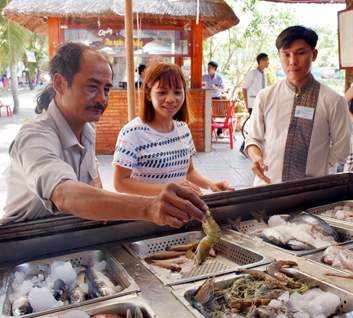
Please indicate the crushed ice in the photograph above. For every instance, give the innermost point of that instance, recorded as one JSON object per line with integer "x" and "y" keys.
{"x": 38, "y": 287}
{"x": 315, "y": 303}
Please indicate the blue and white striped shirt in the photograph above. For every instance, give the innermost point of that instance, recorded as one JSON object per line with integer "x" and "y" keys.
{"x": 152, "y": 156}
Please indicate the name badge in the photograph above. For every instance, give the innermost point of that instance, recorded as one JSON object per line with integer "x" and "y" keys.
{"x": 304, "y": 112}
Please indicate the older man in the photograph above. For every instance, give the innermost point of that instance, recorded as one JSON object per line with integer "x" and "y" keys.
{"x": 53, "y": 164}
{"x": 299, "y": 128}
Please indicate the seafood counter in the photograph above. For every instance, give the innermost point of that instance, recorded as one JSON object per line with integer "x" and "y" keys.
{"x": 263, "y": 253}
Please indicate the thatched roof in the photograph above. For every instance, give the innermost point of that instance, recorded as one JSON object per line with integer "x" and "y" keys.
{"x": 32, "y": 14}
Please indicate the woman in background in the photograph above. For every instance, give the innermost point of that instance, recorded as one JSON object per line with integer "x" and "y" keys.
{"x": 142, "y": 72}
{"x": 157, "y": 147}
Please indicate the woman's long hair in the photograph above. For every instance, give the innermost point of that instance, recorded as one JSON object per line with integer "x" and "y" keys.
{"x": 167, "y": 75}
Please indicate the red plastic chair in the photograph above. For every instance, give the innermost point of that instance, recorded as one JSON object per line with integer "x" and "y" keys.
{"x": 227, "y": 124}
{"x": 8, "y": 109}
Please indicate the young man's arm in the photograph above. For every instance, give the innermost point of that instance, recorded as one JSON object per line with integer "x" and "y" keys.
{"x": 258, "y": 166}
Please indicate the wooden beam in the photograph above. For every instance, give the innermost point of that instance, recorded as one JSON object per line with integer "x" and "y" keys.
{"x": 129, "y": 40}
{"x": 196, "y": 55}
{"x": 53, "y": 34}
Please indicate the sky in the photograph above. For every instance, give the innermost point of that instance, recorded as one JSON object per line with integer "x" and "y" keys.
{"x": 312, "y": 15}
{"x": 319, "y": 14}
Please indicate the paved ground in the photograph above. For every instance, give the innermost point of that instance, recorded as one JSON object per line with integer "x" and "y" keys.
{"x": 220, "y": 164}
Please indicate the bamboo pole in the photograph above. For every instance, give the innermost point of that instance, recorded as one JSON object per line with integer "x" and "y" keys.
{"x": 129, "y": 43}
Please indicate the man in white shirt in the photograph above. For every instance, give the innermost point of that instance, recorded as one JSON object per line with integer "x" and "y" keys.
{"x": 254, "y": 81}
{"x": 215, "y": 81}
{"x": 299, "y": 128}
{"x": 53, "y": 165}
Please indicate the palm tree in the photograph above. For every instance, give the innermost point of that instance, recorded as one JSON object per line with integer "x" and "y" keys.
{"x": 13, "y": 42}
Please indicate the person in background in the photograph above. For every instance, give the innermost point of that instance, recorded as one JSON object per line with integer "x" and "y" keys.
{"x": 142, "y": 72}
{"x": 157, "y": 147}
{"x": 299, "y": 128}
{"x": 348, "y": 166}
{"x": 53, "y": 165}
{"x": 116, "y": 70}
{"x": 5, "y": 81}
{"x": 215, "y": 81}
{"x": 255, "y": 80}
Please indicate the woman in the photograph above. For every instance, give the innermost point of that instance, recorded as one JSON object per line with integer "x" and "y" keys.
{"x": 157, "y": 147}
{"x": 142, "y": 72}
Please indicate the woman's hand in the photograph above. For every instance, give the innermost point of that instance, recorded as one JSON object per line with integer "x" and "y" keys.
{"x": 189, "y": 185}
{"x": 220, "y": 186}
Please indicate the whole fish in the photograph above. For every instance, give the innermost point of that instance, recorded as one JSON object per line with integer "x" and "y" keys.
{"x": 297, "y": 245}
{"x": 75, "y": 291}
{"x": 162, "y": 255}
{"x": 271, "y": 236}
{"x": 58, "y": 289}
{"x": 99, "y": 285}
{"x": 318, "y": 224}
{"x": 183, "y": 248}
{"x": 21, "y": 306}
{"x": 172, "y": 266}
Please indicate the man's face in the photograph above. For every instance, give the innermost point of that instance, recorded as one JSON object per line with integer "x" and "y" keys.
{"x": 264, "y": 63}
{"x": 296, "y": 61}
{"x": 211, "y": 69}
{"x": 88, "y": 96}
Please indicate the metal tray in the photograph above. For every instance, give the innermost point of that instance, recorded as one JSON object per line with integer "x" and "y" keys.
{"x": 317, "y": 259}
{"x": 230, "y": 256}
{"x": 118, "y": 307}
{"x": 322, "y": 208}
{"x": 346, "y": 305}
{"x": 114, "y": 271}
{"x": 345, "y": 235}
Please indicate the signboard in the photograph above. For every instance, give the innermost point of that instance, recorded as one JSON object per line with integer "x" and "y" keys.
{"x": 111, "y": 40}
{"x": 345, "y": 38}
{"x": 31, "y": 57}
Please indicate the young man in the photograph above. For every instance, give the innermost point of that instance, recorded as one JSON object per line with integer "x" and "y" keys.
{"x": 214, "y": 80}
{"x": 254, "y": 81}
{"x": 53, "y": 165}
{"x": 299, "y": 128}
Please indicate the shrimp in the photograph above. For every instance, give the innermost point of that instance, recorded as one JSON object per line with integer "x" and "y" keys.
{"x": 274, "y": 270}
{"x": 213, "y": 234}
{"x": 206, "y": 291}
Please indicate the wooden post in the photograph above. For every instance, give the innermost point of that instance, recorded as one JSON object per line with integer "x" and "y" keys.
{"x": 196, "y": 57}
{"x": 53, "y": 34}
{"x": 179, "y": 61}
{"x": 129, "y": 43}
{"x": 349, "y": 73}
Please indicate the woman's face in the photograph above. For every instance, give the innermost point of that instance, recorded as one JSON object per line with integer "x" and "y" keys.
{"x": 166, "y": 101}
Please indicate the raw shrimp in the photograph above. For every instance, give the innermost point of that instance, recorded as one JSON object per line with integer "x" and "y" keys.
{"x": 274, "y": 270}
{"x": 213, "y": 234}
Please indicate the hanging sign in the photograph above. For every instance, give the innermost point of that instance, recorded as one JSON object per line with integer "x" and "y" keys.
{"x": 31, "y": 57}
{"x": 112, "y": 38}
{"x": 345, "y": 38}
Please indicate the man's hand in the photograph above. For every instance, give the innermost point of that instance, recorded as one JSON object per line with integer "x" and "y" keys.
{"x": 220, "y": 186}
{"x": 258, "y": 166}
{"x": 191, "y": 186}
{"x": 176, "y": 205}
